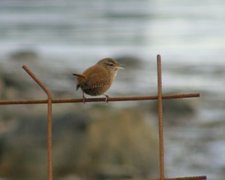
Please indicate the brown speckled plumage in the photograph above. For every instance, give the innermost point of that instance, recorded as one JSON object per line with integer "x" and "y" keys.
{"x": 97, "y": 79}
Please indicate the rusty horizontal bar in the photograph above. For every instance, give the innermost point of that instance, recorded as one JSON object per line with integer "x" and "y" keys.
{"x": 186, "y": 178}
{"x": 118, "y": 98}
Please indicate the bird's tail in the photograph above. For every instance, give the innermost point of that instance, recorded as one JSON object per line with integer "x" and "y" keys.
{"x": 81, "y": 77}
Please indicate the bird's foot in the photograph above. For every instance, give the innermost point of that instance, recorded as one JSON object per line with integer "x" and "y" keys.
{"x": 84, "y": 98}
{"x": 106, "y": 98}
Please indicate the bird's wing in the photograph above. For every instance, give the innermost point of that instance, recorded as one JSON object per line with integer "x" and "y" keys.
{"x": 97, "y": 76}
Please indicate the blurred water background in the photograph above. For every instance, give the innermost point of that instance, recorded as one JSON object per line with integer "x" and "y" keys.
{"x": 68, "y": 36}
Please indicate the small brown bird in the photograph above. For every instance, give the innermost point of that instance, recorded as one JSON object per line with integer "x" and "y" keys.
{"x": 97, "y": 79}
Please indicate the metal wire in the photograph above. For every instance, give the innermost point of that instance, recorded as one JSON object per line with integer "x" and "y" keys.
{"x": 49, "y": 101}
{"x": 186, "y": 178}
{"x": 160, "y": 119}
{"x": 49, "y": 126}
{"x": 110, "y": 99}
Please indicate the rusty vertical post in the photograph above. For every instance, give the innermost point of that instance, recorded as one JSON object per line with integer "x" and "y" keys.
{"x": 50, "y": 158}
{"x": 160, "y": 118}
{"x": 49, "y": 126}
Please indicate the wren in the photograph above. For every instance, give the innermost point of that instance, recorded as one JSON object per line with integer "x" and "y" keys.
{"x": 97, "y": 79}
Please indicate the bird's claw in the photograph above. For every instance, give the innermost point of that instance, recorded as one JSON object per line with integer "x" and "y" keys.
{"x": 84, "y": 99}
{"x": 106, "y": 98}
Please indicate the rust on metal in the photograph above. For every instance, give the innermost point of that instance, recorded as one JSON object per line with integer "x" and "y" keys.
{"x": 110, "y": 99}
{"x": 186, "y": 178}
{"x": 41, "y": 84}
{"x": 160, "y": 119}
{"x": 49, "y": 126}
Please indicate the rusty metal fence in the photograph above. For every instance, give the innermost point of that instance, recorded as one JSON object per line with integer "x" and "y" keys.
{"x": 159, "y": 97}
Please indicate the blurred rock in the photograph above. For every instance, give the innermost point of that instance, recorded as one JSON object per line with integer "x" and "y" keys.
{"x": 94, "y": 143}
{"x": 129, "y": 61}
{"x": 119, "y": 144}
{"x": 13, "y": 85}
{"x": 174, "y": 110}
{"x": 24, "y": 55}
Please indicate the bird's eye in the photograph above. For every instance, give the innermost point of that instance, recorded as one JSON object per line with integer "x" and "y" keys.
{"x": 110, "y": 64}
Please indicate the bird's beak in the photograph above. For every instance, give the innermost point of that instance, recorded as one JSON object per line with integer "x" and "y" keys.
{"x": 120, "y": 67}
